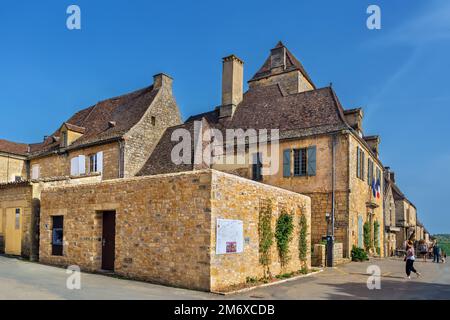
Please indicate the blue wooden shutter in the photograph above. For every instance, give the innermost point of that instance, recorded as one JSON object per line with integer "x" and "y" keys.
{"x": 257, "y": 164}
{"x": 311, "y": 158}
{"x": 358, "y": 162}
{"x": 287, "y": 163}
{"x": 360, "y": 232}
{"x": 363, "y": 164}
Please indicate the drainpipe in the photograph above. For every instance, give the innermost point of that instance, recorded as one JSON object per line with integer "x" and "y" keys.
{"x": 333, "y": 207}
{"x": 330, "y": 242}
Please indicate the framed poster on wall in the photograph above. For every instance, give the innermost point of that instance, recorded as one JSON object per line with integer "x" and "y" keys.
{"x": 230, "y": 236}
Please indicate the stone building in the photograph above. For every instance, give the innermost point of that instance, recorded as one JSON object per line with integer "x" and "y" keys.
{"x": 390, "y": 223}
{"x": 406, "y": 217}
{"x": 109, "y": 140}
{"x": 162, "y": 228}
{"x": 323, "y": 152}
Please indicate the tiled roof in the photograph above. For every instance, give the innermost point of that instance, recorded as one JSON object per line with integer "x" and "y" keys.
{"x": 13, "y": 148}
{"x": 94, "y": 123}
{"x": 160, "y": 161}
{"x": 291, "y": 64}
{"x": 267, "y": 107}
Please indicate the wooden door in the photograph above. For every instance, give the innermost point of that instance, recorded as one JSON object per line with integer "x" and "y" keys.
{"x": 13, "y": 231}
{"x": 108, "y": 240}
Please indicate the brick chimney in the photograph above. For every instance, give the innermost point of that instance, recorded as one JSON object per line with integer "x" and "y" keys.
{"x": 232, "y": 85}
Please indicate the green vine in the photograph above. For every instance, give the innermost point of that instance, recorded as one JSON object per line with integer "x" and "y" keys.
{"x": 367, "y": 236}
{"x": 283, "y": 236}
{"x": 302, "y": 238}
{"x": 376, "y": 230}
{"x": 265, "y": 236}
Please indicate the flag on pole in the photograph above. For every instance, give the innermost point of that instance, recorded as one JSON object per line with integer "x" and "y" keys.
{"x": 374, "y": 188}
{"x": 378, "y": 189}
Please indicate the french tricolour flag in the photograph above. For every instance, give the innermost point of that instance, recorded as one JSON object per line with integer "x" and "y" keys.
{"x": 378, "y": 189}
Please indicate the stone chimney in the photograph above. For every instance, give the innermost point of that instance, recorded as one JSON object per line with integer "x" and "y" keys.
{"x": 373, "y": 142}
{"x": 232, "y": 85}
{"x": 354, "y": 119}
{"x": 162, "y": 80}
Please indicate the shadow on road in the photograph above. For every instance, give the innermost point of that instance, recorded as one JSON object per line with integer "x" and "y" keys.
{"x": 407, "y": 290}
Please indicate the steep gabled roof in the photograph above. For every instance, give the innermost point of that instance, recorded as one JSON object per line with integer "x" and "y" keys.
{"x": 266, "y": 107}
{"x": 13, "y": 147}
{"x": 160, "y": 161}
{"x": 95, "y": 122}
{"x": 292, "y": 64}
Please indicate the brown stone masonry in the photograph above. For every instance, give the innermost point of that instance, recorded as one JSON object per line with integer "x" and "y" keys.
{"x": 165, "y": 227}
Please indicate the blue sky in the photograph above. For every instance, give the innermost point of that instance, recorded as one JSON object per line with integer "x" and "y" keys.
{"x": 399, "y": 74}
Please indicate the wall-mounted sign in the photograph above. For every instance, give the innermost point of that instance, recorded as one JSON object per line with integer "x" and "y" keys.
{"x": 230, "y": 236}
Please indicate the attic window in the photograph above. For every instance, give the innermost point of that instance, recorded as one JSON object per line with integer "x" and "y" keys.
{"x": 153, "y": 120}
{"x": 111, "y": 124}
{"x": 64, "y": 139}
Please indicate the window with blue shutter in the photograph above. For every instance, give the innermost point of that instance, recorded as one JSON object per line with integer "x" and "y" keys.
{"x": 363, "y": 164}
{"x": 358, "y": 162}
{"x": 256, "y": 167}
{"x": 287, "y": 163}
{"x": 305, "y": 161}
{"x": 311, "y": 157}
{"x": 360, "y": 231}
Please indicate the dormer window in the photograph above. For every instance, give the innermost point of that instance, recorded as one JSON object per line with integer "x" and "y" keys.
{"x": 69, "y": 133}
{"x": 64, "y": 139}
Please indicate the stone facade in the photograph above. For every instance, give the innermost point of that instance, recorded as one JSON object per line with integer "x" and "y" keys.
{"x": 12, "y": 166}
{"x": 165, "y": 227}
{"x": 18, "y": 196}
{"x": 141, "y": 140}
{"x": 57, "y": 166}
{"x": 353, "y": 195}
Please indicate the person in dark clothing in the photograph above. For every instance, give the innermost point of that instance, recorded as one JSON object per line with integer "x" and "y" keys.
{"x": 436, "y": 252}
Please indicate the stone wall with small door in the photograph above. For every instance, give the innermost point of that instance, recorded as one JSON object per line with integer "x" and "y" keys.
{"x": 16, "y": 219}
{"x": 165, "y": 227}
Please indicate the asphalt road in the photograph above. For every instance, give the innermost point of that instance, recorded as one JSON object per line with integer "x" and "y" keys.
{"x": 26, "y": 280}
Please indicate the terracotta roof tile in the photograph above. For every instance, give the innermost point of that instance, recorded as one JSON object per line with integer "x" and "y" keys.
{"x": 13, "y": 148}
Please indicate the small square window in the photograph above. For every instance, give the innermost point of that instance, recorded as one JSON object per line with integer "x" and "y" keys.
{"x": 153, "y": 121}
{"x": 17, "y": 224}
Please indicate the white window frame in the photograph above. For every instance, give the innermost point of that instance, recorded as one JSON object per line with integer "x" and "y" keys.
{"x": 35, "y": 171}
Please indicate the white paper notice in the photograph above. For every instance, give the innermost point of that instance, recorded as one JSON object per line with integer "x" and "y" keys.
{"x": 230, "y": 236}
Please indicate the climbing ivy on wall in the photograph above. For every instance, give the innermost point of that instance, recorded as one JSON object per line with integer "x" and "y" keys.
{"x": 376, "y": 232}
{"x": 367, "y": 236}
{"x": 265, "y": 235}
{"x": 283, "y": 236}
{"x": 302, "y": 238}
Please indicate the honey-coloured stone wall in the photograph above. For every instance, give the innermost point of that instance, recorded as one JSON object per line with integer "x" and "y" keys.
{"x": 165, "y": 226}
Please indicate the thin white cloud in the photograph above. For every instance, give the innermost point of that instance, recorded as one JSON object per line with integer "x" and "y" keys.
{"x": 432, "y": 25}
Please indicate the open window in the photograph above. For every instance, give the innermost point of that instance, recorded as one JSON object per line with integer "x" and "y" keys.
{"x": 57, "y": 235}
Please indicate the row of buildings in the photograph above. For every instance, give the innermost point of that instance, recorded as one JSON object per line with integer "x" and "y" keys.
{"x": 57, "y": 195}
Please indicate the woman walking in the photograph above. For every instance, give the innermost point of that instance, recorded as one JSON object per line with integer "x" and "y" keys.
{"x": 410, "y": 258}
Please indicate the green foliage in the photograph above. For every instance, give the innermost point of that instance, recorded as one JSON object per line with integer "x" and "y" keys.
{"x": 443, "y": 242}
{"x": 367, "y": 236}
{"x": 302, "y": 238}
{"x": 303, "y": 270}
{"x": 265, "y": 236}
{"x": 376, "y": 232}
{"x": 251, "y": 280}
{"x": 283, "y": 236}
{"x": 358, "y": 254}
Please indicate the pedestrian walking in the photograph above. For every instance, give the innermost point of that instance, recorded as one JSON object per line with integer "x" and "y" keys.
{"x": 410, "y": 258}
{"x": 436, "y": 252}
{"x": 423, "y": 248}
